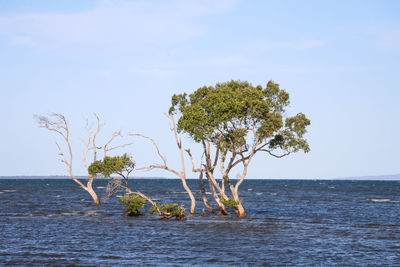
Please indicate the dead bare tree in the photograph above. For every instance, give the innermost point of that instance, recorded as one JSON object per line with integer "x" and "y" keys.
{"x": 182, "y": 173}
{"x": 60, "y": 125}
{"x": 57, "y": 122}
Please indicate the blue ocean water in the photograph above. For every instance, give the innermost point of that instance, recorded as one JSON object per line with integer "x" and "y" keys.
{"x": 47, "y": 222}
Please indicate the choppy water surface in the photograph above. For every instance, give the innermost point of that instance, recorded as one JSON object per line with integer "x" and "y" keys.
{"x": 291, "y": 222}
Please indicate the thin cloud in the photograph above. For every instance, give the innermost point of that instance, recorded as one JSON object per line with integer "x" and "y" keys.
{"x": 166, "y": 68}
{"x": 316, "y": 69}
{"x": 113, "y": 25}
{"x": 293, "y": 44}
{"x": 23, "y": 40}
{"x": 391, "y": 39}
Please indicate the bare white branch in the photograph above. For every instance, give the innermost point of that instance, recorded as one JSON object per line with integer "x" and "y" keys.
{"x": 155, "y": 145}
{"x": 60, "y": 125}
{"x": 99, "y": 126}
{"x": 194, "y": 169}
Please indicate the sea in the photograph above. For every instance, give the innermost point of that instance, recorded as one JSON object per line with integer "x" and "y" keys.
{"x": 52, "y": 222}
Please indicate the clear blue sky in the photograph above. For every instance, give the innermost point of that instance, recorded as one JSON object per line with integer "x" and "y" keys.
{"x": 339, "y": 60}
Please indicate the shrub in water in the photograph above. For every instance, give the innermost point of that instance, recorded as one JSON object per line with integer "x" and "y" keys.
{"x": 169, "y": 210}
{"x": 133, "y": 204}
{"x": 231, "y": 203}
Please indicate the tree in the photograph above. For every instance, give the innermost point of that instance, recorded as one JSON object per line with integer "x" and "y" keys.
{"x": 57, "y": 122}
{"x": 182, "y": 173}
{"x": 234, "y": 121}
{"x": 121, "y": 165}
{"x": 134, "y": 201}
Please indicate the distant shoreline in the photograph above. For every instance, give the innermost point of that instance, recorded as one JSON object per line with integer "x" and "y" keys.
{"x": 392, "y": 177}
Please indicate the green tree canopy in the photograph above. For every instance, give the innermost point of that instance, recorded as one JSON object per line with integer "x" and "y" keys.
{"x": 234, "y": 115}
{"x": 240, "y": 120}
{"x": 121, "y": 165}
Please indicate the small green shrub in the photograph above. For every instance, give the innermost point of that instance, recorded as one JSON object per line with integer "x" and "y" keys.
{"x": 230, "y": 203}
{"x": 173, "y": 209}
{"x": 133, "y": 204}
{"x": 153, "y": 209}
{"x": 169, "y": 210}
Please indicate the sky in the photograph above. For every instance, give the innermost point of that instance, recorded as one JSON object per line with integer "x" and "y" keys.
{"x": 339, "y": 61}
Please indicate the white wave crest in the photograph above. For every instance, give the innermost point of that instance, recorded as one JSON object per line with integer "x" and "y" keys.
{"x": 380, "y": 199}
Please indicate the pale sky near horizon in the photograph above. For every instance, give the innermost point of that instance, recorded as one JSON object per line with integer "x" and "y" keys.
{"x": 339, "y": 60}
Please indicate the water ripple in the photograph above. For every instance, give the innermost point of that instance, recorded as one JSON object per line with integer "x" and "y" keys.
{"x": 290, "y": 223}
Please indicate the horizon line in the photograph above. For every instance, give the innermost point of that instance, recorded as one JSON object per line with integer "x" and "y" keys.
{"x": 391, "y": 177}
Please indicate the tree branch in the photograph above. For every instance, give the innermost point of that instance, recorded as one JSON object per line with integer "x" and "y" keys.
{"x": 151, "y": 167}
{"x": 99, "y": 126}
{"x": 193, "y": 165}
{"x": 178, "y": 143}
{"x": 245, "y": 165}
{"x": 60, "y": 126}
{"x": 111, "y": 139}
{"x": 154, "y": 143}
{"x": 274, "y": 155}
{"x": 87, "y": 145}
{"x": 106, "y": 149}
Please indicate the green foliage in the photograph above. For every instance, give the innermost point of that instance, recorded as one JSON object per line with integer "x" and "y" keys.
{"x": 230, "y": 203}
{"x": 133, "y": 204}
{"x": 235, "y": 113}
{"x": 110, "y": 165}
{"x": 95, "y": 168}
{"x": 153, "y": 209}
{"x": 174, "y": 210}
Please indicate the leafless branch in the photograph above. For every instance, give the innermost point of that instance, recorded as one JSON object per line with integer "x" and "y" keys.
{"x": 59, "y": 125}
{"x": 120, "y": 146}
{"x": 99, "y": 126}
{"x": 63, "y": 159}
{"x": 245, "y": 165}
{"x": 154, "y": 143}
{"x": 157, "y": 166}
{"x": 174, "y": 130}
{"x": 274, "y": 155}
{"x": 193, "y": 165}
{"x": 87, "y": 145}
{"x": 106, "y": 148}
{"x": 215, "y": 159}
{"x": 114, "y": 186}
{"x": 182, "y": 173}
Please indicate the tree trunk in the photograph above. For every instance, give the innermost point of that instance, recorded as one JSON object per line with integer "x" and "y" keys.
{"x": 221, "y": 206}
{"x": 192, "y": 199}
{"x": 183, "y": 172}
{"x": 90, "y": 190}
{"x": 204, "y": 196}
{"x": 240, "y": 211}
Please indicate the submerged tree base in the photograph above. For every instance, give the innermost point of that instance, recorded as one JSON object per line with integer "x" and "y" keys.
{"x": 168, "y": 211}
